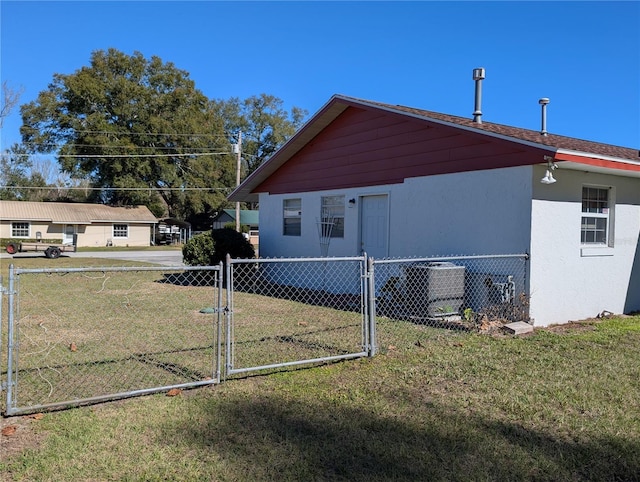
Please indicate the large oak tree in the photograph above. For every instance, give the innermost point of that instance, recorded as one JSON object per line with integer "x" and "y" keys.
{"x": 137, "y": 128}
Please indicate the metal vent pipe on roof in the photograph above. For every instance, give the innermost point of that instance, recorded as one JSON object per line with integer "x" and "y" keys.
{"x": 543, "y": 103}
{"x": 478, "y": 75}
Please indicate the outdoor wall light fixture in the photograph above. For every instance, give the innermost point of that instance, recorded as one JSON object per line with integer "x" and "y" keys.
{"x": 551, "y": 166}
{"x": 352, "y": 202}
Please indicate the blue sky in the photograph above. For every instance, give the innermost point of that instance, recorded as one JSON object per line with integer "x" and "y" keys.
{"x": 584, "y": 56}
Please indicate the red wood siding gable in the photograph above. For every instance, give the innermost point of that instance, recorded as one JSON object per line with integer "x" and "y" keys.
{"x": 367, "y": 147}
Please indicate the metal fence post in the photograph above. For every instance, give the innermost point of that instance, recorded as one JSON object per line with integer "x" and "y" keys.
{"x": 228, "y": 318}
{"x": 219, "y": 323}
{"x": 10, "y": 342}
{"x": 364, "y": 304}
{"x": 371, "y": 308}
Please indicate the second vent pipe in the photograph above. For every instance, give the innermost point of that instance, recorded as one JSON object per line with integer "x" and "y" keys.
{"x": 543, "y": 128}
{"x": 478, "y": 75}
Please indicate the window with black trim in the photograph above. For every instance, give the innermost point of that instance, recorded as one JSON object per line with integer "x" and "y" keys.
{"x": 120, "y": 230}
{"x": 333, "y": 216}
{"x": 19, "y": 230}
{"x": 292, "y": 217}
{"x": 597, "y": 211}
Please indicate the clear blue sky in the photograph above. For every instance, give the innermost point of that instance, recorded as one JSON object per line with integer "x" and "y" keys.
{"x": 584, "y": 56}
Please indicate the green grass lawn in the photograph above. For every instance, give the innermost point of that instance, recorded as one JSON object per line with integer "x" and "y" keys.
{"x": 434, "y": 404}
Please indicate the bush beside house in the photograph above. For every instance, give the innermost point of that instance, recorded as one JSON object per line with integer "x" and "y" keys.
{"x": 212, "y": 247}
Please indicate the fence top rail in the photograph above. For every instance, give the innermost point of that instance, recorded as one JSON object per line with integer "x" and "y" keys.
{"x": 295, "y": 260}
{"x": 448, "y": 258}
{"x": 101, "y": 269}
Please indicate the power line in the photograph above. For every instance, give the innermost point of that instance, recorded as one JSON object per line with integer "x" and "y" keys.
{"x": 168, "y": 134}
{"x": 115, "y": 146}
{"x": 31, "y": 188}
{"x": 187, "y": 154}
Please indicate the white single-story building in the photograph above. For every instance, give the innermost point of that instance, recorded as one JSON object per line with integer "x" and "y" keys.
{"x": 398, "y": 182}
{"x": 90, "y": 224}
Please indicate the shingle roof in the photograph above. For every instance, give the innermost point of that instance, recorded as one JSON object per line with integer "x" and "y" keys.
{"x": 71, "y": 213}
{"x": 528, "y": 135}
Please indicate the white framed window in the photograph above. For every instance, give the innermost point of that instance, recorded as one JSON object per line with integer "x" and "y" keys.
{"x": 292, "y": 217}
{"x": 332, "y": 215}
{"x": 597, "y": 216}
{"x": 19, "y": 230}
{"x": 120, "y": 230}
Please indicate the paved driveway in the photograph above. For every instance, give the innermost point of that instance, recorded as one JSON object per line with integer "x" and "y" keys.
{"x": 167, "y": 258}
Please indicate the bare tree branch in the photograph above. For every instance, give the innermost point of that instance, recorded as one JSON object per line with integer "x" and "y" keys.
{"x": 10, "y": 98}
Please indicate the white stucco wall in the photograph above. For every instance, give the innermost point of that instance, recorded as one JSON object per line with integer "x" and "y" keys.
{"x": 273, "y": 244}
{"x": 482, "y": 212}
{"x": 505, "y": 211}
{"x": 569, "y": 282}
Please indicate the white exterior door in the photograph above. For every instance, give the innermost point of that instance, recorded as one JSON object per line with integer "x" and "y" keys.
{"x": 374, "y": 225}
{"x": 67, "y": 234}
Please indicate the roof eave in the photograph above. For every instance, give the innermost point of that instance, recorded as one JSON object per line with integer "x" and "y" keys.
{"x": 327, "y": 113}
{"x": 589, "y": 162}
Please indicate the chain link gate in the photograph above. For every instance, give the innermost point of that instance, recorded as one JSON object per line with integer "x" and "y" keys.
{"x": 290, "y": 312}
{"x": 84, "y": 335}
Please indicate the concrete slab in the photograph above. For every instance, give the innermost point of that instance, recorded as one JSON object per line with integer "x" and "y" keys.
{"x": 518, "y": 328}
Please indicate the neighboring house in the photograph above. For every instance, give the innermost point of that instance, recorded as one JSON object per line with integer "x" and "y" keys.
{"x": 93, "y": 224}
{"x": 248, "y": 218}
{"x": 399, "y": 182}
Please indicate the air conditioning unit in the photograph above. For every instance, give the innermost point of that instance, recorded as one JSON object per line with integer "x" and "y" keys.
{"x": 433, "y": 290}
{"x": 488, "y": 289}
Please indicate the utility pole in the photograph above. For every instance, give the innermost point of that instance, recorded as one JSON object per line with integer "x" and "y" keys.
{"x": 238, "y": 165}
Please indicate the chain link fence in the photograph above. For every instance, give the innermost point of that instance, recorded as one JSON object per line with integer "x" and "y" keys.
{"x": 286, "y": 312}
{"x": 79, "y": 335}
{"x": 472, "y": 293}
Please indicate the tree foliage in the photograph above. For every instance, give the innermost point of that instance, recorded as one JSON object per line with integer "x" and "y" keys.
{"x": 139, "y": 130}
{"x": 138, "y": 127}
{"x": 16, "y": 178}
{"x": 23, "y": 179}
{"x": 264, "y": 125}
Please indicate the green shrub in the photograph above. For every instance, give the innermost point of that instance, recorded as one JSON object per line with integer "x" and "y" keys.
{"x": 232, "y": 225}
{"x": 210, "y": 248}
{"x": 229, "y": 241}
{"x": 199, "y": 250}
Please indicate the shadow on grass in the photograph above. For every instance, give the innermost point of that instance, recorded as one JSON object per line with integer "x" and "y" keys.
{"x": 191, "y": 278}
{"x": 270, "y": 438}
